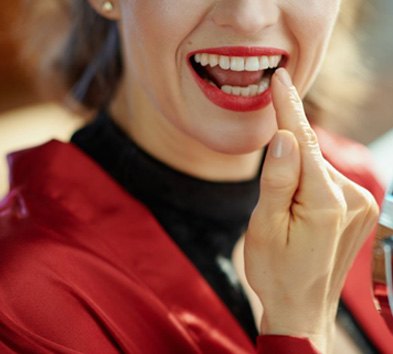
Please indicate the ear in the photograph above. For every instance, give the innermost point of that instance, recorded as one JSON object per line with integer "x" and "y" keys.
{"x": 110, "y": 9}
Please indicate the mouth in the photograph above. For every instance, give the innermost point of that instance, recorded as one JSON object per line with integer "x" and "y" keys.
{"x": 237, "y": 78}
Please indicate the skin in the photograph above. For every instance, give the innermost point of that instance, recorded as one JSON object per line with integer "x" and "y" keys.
{"x": 308, "y": 227}
{"x": 301, "y": 237}
{"x": 167, "y": 107}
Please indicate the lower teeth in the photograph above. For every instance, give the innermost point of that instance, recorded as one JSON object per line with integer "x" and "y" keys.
{"x": 248, "y": 91}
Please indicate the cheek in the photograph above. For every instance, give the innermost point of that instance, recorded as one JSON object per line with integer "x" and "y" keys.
{"x": 311, "y": 23}
{"x": 154, "y": 31}
{"x": 166, "y": 22}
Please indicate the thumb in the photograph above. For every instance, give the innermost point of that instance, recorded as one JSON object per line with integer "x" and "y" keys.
{"x": 280, "y": 177}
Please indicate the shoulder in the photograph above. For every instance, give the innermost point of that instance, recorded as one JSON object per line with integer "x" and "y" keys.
{"x": 64, "y": 287}
{"x": 70, "y": 274}
{"x": 70, "y": 287}
{"x": 38, "y": 292}
{"x": 352, "y": 159}
{"x": 59, "y": 278}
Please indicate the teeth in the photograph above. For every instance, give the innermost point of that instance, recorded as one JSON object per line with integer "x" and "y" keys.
{"x": 263, "y": 86}
{"x": 224, "y": 62}
{"x": 252, "y": 64}
{"x": 253, "y": 90}
{"x": 227, "y": 89}
{"x": 213, "y": 60}
{"x": 274, "y": 61}
{"x": 236, "y": 90}
{"x": 264, "y": 62}
{"x": 204, "y": 59}
{"x": 245, "y": 91}
{"x": 237, "y": 64}
{"x": 256, "y": 63}
{"x": 249, "y": 91}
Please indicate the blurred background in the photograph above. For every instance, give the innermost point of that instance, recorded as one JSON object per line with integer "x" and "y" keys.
{"x": 26, "y": 118}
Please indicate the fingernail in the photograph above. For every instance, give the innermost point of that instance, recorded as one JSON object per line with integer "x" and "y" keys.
{"x": 284, "y": 77}
{"x": 281, "y": 145}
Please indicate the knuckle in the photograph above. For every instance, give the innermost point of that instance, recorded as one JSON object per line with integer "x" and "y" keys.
{"x": 297, "y": 103}
{"x": 366, "y": 203}
{"x": 364, "y": 208}
{"x": 371, "y": 208}
{"x": 307, "y": 135}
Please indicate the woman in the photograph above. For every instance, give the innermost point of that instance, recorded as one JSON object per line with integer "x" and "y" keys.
{"x": 205, "y": 87}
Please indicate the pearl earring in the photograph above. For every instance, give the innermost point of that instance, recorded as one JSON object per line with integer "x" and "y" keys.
{"x": 107, "y": 6}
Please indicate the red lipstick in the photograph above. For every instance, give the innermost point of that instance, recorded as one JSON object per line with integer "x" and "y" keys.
{"x": 229, "y": 101}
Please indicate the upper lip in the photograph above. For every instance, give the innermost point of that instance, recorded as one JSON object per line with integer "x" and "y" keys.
{"x": 241, "y": 51}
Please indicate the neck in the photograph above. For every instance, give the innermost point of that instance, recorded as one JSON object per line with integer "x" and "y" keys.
{"x": 161, "y": 139}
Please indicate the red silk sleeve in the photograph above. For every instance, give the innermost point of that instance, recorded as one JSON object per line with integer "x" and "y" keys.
{"x": 276, "y": 344}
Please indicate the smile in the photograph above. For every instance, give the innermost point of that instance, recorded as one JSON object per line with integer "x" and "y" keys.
{"x": 236, "y": 78}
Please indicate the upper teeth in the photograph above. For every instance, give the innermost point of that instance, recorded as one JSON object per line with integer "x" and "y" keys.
{"x": 238, "y": 63}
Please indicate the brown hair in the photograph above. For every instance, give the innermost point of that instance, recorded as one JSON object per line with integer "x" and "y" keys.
{"x": 74, "y": 49}
{"x": 91, "y": 65}
{"x": 88, "y": 59}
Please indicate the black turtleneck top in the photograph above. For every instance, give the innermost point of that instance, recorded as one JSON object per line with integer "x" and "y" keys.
{"x": 204, "y": 218}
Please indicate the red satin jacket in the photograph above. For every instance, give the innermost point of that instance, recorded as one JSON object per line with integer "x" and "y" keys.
{"x": 85, "y": 268}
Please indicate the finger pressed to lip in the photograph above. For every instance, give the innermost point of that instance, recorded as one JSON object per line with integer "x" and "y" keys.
{"x": 289, "y": 109}
{"x": 315, "y": 182}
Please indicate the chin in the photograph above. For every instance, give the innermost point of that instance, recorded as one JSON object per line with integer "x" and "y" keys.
{"x": 241, "y": 147}
{"x": 240, "y": 142}
{"x": 251, "y": 133}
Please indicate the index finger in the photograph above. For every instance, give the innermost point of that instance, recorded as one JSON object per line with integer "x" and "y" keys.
{"x": 291, "y": 116}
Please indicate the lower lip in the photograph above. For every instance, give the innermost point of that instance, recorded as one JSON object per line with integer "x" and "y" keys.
{"x": 232, "y": 102}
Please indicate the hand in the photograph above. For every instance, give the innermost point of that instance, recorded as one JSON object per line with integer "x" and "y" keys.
{"x": 306, "y": 230}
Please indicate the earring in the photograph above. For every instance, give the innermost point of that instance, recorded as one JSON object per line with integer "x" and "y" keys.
{"x": 107, "y": 6}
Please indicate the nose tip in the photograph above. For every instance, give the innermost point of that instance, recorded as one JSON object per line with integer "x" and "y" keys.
{"x": 245, "y": 16}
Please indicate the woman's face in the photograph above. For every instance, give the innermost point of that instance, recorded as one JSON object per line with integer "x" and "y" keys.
{"x": 201, "y": 69}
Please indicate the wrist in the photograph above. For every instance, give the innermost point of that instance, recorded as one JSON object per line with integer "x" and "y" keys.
{"x": 319, "y": 331}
